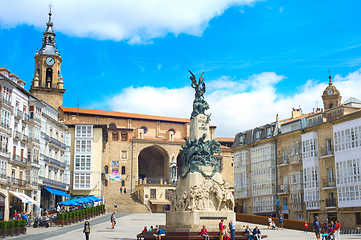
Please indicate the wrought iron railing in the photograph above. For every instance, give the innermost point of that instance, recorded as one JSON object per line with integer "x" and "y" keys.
{"x": 331, "y": 202}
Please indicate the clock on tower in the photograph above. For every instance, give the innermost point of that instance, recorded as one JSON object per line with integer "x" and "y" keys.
{"x": 48, "y": 82}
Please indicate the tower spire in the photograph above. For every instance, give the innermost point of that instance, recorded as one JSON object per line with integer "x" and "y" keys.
{"x": 50, "y": 6}
{"x": 329, "y": 76}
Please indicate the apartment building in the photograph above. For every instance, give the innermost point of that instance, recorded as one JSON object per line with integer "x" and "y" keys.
{"x": 307, "y": 146}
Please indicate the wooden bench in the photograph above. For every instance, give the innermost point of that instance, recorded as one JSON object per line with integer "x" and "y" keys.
{"x": 187, "y": 235}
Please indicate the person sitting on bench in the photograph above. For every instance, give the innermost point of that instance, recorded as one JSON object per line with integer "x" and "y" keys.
{"x": 160, "y": 233}
{"x": 204, "y": 233}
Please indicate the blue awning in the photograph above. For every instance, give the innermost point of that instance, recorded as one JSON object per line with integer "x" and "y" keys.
{"x": 57, "y": 192}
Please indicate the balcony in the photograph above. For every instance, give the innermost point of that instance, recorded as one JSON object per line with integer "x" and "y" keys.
{"x": 32, "y": 161}
{"x": 18, "y": 114}
{"x": 35, "y": 120}
{"x": 18, "y": 160}
{"x": 55, "y": 142}
{"x": 55, "y": 162}
{"x": 16, "y": 182}
{"x": 283, "y": 189}
{"x": 297, "y": 158}
{"x": 53, "y": 183}
{"x": 331, "y": 203}
{"x": 328, "y": 183}
{"x": 46, "y": 137}
{"x": 326, "y": 152}
{"x": 4, "y": 153}
{"x": 5, "y": 102}
{"x": 296, "y": 187}
{"x": 313, "y": 205}
{"x": 63, "y": 165}
{"x": 31, "y": 184}
{"x": 5, "y": 125}
{"x": 17, "y": 135}
{"x": 242, "y": 194}
{"x": 63, "y": 146}
{"x": 297, "y": 207}
{"x": 283, "y": 160}
{"x": 24, "y": 138}
{"x": 45, "y": 158}
{"x": 26, "y": 117}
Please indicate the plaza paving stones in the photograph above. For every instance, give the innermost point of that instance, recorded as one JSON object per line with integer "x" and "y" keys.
{"x": 129, "y": 225}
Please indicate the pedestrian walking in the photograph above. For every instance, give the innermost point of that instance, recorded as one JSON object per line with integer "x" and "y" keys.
{"x": 317, "y": 228}
{"x": 221, "y": 228}
{"x": 112, "y": 220}
{"x": 121, "y": 190}
{"x": 233, "y": 230}
{"x": 86, "y": 230}
{"x": 306, "y": 227}
{"x": 115, "y": 206}
{"x": 325, "y": 226}
{"x": 280, "y": 219}
{"x": 337, "y": 230}
{"x": 269, "y": 222}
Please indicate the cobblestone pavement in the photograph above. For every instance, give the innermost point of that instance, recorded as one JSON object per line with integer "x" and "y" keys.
{"x": 129, "y": 225}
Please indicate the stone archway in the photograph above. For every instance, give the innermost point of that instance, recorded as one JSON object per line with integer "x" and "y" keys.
{"x": 153, "y": 164}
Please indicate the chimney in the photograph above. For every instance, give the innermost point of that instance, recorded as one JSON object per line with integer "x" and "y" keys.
{"x": 296, "y": 113}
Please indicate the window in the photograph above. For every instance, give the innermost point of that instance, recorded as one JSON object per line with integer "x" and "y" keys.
{"x": 268, "y": 132}
{"x": 82, "y": 181}
{"x": 105, "y": 182}
{"x": 84, "y": 131}
{"x": 124, "y": 136}
{"x": 349, "y": 193}
{"x": 309, "y": 148}
{"x": 106, "y": 169}
{"x": 7, "y": 95}
{"x": 115, "y": 136}
{"x": 145, "y": 130}
{"x": 82, "y": 162}
{"x": 112, "y": 125}
{"x": 36, "y": 134}
{"x": 311, "y": 177}
{"x": 124, "y": 154}
{"x": 4, "y": 143}
{"x": 241, "y": 139}
{"x": 3, "y": 168}
{"x": 153, "y": 193}
{"x": 123, "y": 183}
{"x": 257, "y": 135}
{"x": 358, "y": 218}
{"x": 123, "y": 170}
{"x": 83, "y": 146}
{"x": 34, "y": 177}
{"x": 347, "y": 139}
{"x": 348, "y": 171}
{"x": 5, "y": 118}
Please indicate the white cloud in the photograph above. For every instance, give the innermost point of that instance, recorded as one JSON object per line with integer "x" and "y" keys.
{"x": 281, "y": 9}
{"x": 136, "y": 21}
{"x": 236, "y": 105}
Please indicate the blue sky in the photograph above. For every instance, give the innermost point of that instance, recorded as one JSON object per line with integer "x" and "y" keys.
{"x": 259, "y": 57}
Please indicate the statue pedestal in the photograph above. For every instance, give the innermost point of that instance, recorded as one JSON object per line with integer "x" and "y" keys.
{"x": 199, "y": 201}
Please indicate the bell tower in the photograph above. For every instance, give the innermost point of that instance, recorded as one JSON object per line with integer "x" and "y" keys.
{"x": 47, "y": 83}
{"x": 331, "y": 96}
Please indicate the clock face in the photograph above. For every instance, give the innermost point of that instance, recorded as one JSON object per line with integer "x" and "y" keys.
{"x": 50, "y": 61}
{"x": 329, "y": 91}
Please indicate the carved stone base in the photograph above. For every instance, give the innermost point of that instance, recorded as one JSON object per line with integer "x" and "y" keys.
{"x": 200, "y": 201}
{"x": 193, "y": 221}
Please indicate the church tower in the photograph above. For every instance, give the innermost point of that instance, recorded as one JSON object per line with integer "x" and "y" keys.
{"x": 331, "y": 96}
{"x": 47, "y": 83}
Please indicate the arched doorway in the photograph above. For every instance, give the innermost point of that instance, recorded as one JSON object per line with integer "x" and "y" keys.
{"x": 153, "y": 164}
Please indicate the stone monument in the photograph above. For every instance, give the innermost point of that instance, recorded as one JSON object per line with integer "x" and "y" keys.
{"x": 201, "y": 197}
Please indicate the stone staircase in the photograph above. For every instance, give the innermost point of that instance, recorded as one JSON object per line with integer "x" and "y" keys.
{"x": 126, "y": 204}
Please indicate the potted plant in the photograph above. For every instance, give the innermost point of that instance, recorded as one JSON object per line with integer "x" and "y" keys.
{"x": 91, "y": 210}
{"x": 76, "y": 216}
{"x": 66, "y": 217}
{"x": 10, "y": 228}
{"x": 3, "y": 226}
{"x": 16, "y": 227}
{"x": 22, "y": 224}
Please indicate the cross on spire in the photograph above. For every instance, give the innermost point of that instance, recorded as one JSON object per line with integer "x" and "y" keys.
{"x": 50, "y": 6}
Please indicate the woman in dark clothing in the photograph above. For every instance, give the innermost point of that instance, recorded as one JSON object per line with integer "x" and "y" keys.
{"x": 86, "y": 230}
